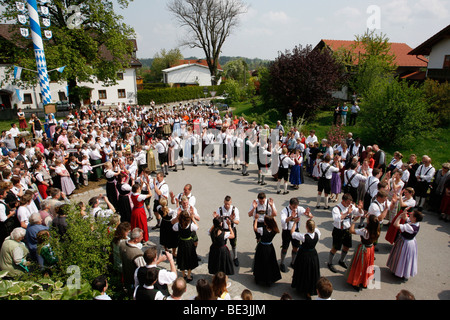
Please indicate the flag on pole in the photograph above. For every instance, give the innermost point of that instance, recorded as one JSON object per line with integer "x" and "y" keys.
{"x": 17, "y": 72}
{"x": 19, "y": 95}
{"x": 61, "y": 70}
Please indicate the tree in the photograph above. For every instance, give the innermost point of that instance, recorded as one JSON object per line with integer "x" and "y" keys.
{"x": 396, "y": 112}
{"x": 237, "y": 70}
{"x": 163, "y": 60}
{"x": 209, "y": 23}
{"x": 301, "y": 80}
{"x": 374, "y": 60}
{"x": 96, "y": 46}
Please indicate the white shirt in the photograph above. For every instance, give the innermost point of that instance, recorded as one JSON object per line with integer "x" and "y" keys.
{"x": 372, "y": 186}
{"x": 161, "y": 146}
{"x": 301, "y": 236}
{"x": 262, "y": 207}
{"x": 227, "y": 213}
{"x": 377, "y": 208}
{"x": 288, "y": 212}
{"x": 323, "y": 166}
{"x": 340, "y": 210}
{"x": 286, "y": 161}
{"x": 425, "y": 173}
{"x": 164, "y": 188}
{"x": 348, "y": 174}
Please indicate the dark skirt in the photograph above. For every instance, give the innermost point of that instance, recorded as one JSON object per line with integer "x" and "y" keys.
{"x": 187, "y": 255}
{"x": 266, "y": 269}
{"x": 219, "y": 259}
{"x": 124, "y": 208}
{"x": 167, "y": 236}
{"x": 306, "y": 271}
{"x": 111, "y": 193}
{"x": 295, "y": 177}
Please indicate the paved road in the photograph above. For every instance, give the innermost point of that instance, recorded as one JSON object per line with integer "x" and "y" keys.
{"x": 212, "y": 184}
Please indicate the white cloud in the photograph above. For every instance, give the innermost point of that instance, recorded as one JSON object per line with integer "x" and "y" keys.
{"x": 396, "y": 12}
{"x": 348, "y": 12}
{"x": 431, "y": 9}
{"x": 276, "y": 17}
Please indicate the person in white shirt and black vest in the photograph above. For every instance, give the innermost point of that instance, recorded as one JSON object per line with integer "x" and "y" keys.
{"x": 343, "y": 215}
{"x": 326, "y": 170}
{"x": 288, "y": 217}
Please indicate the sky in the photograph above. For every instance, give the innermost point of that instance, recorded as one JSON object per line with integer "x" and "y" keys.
{"x": 273, "y": 26}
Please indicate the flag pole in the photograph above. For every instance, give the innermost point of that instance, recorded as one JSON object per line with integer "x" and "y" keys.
{"x": 39, "y": 53}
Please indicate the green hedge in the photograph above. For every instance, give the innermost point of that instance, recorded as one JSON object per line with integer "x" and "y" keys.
{"x": 154, "y": 86}
{"x": 169, "y": 95}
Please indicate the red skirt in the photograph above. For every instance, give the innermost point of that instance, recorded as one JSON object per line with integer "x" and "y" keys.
{"x": 391, "y": 234}
{"x": 362, "y": 261}
{"x": 23, "y": 124}
{"x": 42, "y": 190}
{"x": 139, "y": 220}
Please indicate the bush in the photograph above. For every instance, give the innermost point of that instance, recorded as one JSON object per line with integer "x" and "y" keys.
{"x": 84, "y": 251}
{"x": 395, "y": 112}
{"x": 168, "y": 95}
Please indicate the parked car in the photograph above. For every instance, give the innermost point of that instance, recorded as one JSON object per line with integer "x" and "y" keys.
{"x": 64, "y": 106}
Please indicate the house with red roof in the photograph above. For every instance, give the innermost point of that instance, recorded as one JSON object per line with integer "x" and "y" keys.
{"x": 406, "y": 63}
{"x": 437, "y": 49}
{"x": 408, "y": 67}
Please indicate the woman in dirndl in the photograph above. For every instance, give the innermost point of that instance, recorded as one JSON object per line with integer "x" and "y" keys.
{"x": 168, "y": 238}
{"x": 138, "y": 214}
{"x": 186, "y": 225}
{"x": 296, "y": 177}
{"x": 306, "y": 264}
{"x": 22, "y": 120}
{"x": 359, "y": 272}
{"x": 219, "y": 258}
{"x": 405, "y": 202}
{"x": 402, "y": 260}
{"x": 265, "y": 266}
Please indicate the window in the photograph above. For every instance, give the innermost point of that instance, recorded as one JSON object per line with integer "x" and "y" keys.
{"x": 447, "y": 62}
{"x": 27, "y": 99}
{"x": 102, "y": 94}
{"x": 122, "y": 93}
{"x": 62, "y": 96}
{"x": 120, "y": 76}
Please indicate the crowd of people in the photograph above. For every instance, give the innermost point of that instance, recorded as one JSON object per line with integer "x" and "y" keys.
{"x": 134, "y": 148}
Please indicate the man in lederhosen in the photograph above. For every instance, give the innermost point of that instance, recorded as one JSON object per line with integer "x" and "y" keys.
{"x": 288, "y": 216}
{"x": 229, "y": 211}
{"x": 262, "y": 206}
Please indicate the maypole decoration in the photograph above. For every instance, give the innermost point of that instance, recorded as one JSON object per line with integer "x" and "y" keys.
{"x": 39, "y": 52}
{"x": 38, "y": 43}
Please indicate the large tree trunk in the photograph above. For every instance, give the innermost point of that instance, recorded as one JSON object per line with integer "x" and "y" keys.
{"x": 74, "y": 96}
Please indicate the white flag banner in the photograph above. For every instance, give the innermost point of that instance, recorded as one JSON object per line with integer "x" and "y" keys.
{"x": 46, "y": 22}
{"x": 48, "y": 34}
{"x": 22, "y": 18}
{"x": 20, "y": 6}
{"x": 44, "y": 11}
{"x": 17, "y": 72}
{"x": 24, "y": 32}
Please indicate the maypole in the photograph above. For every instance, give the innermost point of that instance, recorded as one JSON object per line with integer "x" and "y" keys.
{"x": 39, "y": 52}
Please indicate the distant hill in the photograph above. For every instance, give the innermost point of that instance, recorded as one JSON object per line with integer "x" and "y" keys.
{"x": 253, "y": 64}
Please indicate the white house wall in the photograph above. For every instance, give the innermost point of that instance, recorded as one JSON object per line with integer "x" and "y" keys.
{"x": 190, "y": 75}
{"x": 439, "y": 51}
{"x": 128, "y": 83}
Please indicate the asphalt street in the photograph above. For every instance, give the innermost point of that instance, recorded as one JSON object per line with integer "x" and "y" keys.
{"x": 212, "y": 184}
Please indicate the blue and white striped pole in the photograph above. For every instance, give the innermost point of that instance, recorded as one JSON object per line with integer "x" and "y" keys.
{"x": 39, "y": 53}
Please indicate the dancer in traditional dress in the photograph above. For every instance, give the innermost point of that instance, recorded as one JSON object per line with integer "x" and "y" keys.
{"x": 265, "y": 267}
{"x": 306, "y": 265}
{"x": 403, "y": 259}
